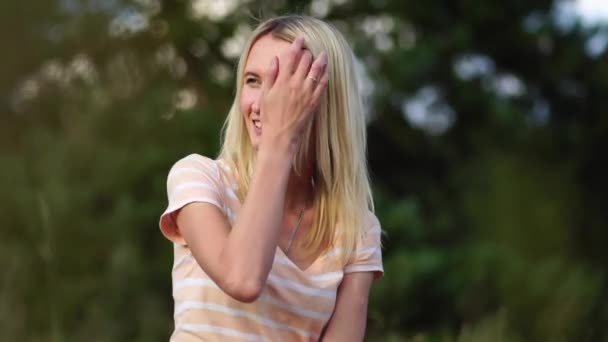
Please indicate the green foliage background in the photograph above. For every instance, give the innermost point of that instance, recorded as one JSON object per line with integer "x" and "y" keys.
{"x": 493, "y": 202}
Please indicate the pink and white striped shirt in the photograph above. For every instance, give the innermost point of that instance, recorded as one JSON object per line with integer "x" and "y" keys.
{"x": 295, "y": 304}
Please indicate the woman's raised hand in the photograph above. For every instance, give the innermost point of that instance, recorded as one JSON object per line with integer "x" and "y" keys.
{"x": 291, "y": 89}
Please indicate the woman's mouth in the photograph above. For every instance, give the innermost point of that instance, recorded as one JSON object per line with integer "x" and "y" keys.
{"x": 257, "y": 127}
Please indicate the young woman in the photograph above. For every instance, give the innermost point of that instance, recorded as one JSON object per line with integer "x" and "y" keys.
{"x": 275, "y": 240}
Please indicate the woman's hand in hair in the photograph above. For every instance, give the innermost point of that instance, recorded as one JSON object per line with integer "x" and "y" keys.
{"x": 291, "y": 91}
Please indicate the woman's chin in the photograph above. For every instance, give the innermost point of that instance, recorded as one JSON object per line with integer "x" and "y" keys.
{"x": 255, "y": 143}
{"x": 255, "y": 135}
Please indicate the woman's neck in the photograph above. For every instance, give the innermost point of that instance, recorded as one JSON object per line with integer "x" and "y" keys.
{"x": 300, "y": 190}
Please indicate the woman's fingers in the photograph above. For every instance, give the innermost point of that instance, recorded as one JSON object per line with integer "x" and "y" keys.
{"x": 300, "y": 81}
{"x": 303, "y": 66}
{"x": 270, "y": 75}
{"x": 321, "y": 85}
{"x": 291, "y": 59}
{"x": 316, "y": 71}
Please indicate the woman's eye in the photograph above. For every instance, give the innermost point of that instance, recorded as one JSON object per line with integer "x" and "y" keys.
{"x": 251, "y": 80}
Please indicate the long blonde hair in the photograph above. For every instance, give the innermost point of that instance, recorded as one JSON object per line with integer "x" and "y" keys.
{"x": 343, "y": 195}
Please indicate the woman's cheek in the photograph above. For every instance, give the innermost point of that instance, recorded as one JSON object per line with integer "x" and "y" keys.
{"x": 246, "y": 101}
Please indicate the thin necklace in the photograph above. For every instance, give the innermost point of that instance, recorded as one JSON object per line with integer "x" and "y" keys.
{"x": 294, "y": 230}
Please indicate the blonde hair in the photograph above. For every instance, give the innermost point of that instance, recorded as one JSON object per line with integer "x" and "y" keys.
{"x": 343, "y": 195}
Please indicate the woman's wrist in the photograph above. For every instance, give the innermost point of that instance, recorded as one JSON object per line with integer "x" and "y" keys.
{"x": 279, "y": 154}
{"x": 278, "y": 144}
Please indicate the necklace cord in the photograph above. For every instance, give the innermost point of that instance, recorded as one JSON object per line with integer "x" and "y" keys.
{"x": 294, "y": 230}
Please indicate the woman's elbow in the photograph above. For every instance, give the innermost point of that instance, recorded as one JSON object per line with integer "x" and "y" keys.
{"x": 245, "y": 291}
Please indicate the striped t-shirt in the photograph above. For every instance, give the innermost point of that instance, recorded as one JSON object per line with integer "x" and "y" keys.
{"x": 295, "y": 304}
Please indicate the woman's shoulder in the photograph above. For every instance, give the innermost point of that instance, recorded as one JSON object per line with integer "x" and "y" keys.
{"x": 192, "y": 167}
{"x": 371, "y": 219}
{"x": 198, "y": 162}
{"x": 372, "y": 224}
{"x": 195, "y": 160}
{"x": 218, "y": 169}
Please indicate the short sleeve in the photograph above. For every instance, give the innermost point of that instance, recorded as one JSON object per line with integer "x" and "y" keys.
{"x": 192, "y": 179}
{"x": 368, "y": 255}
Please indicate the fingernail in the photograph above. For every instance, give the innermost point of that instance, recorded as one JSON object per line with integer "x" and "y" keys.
{"x": 323, "y": 58}
{"x": 273, "y": 62}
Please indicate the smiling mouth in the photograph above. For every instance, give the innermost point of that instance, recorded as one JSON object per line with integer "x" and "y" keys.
{"x": 257, "y": 125}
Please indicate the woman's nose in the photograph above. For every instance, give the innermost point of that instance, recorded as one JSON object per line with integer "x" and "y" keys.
{"x": 255, "y": 106}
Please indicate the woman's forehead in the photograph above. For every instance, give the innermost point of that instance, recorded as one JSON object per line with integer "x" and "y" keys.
{"x": 263, "y": 50}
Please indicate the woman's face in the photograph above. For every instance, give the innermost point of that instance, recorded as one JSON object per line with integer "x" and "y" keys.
{"x": 258, "y": 62}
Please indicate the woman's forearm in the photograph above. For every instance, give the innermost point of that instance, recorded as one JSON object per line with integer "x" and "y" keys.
{"x": 251, "y": 244}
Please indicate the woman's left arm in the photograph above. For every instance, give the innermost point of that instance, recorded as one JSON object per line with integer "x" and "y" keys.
{"x": 349, "y": 319}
